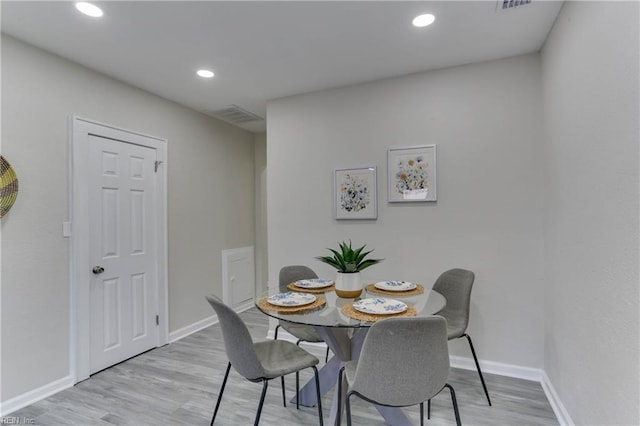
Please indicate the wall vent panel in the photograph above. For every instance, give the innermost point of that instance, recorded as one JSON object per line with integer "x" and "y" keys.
{"x": 236, "y": 115}
{"x": 504, "y": 5}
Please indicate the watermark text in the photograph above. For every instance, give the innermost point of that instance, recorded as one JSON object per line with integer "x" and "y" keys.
{"x": 12, "y": 420}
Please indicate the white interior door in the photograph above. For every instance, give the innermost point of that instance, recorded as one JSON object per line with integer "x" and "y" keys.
{"x": 124, "y": 258}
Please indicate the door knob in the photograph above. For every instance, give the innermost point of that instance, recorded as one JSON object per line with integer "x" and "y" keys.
{"x": 98, "y": 270}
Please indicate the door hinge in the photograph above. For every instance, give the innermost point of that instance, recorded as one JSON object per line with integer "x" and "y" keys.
{"x": 156, "y": 164}
{"x": 157, "y": 319}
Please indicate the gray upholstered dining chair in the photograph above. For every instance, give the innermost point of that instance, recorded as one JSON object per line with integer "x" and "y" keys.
{"x": 455, "y": 285}
{"x": 403, "y": 362}
{"x": 304, "y": 333}
{"x": 260, "y": 361}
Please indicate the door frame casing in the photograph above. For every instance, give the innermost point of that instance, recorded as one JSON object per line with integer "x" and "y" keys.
{"x": 80, "y": 262}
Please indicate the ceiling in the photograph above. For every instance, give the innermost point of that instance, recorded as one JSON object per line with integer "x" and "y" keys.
{"x": 272, "y": 49}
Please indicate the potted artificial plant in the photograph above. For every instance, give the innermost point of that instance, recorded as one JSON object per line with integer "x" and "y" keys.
{"x": 349, "y": 262}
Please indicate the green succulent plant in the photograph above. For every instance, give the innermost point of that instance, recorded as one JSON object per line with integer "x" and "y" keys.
{"x": 349, "y": 260}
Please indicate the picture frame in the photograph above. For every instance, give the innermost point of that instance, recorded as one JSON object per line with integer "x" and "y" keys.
{"x": 355, "y": 193}
{"x": 411, "y": 174}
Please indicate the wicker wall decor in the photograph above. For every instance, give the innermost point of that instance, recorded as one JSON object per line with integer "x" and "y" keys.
{"x": 8, "y": 186}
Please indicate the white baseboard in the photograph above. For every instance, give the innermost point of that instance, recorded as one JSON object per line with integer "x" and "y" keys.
{"x": 509, "y": 370}
{"x": 244, "y": 306}
{"x": 501, "y": 369}
{"x": 491, "y": 367}
{"x": 558, "y": 408}
{"x": 192, "y": 328}
{"x": 202, "y": 324}
{"x": 35, "y": 395}
{"x": 524, "y": 373}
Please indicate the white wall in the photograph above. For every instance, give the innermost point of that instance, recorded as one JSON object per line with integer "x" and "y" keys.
{"x": 486, "y": 120}
{"x": 590, "y": 74}
{"x": 210, "y": 197}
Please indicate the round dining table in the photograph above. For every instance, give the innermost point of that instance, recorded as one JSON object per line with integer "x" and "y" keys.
{"x": 343, "y": 325}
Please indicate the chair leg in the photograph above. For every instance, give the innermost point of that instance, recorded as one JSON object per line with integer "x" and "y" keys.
{"x": 422, "y": 414}
{"x": 297, "y": 390}
{"x": 265, "y": 384}
{"x": 428, "y": 409}
{"x": 475, "y": 358}
{"x": 339, "y": 416}
{"x": 348, "y": 406}
{"x": 224, "y": 383}
{"x": 284, "y": 398}
{"x": 318, "y": 395}
{"x": 455, "y": 404}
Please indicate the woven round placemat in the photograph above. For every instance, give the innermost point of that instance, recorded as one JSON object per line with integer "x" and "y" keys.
{"x": 318, "y": 304}
{"x": 349, "y": 311}
{"x": 371, "y": 288}
{"x": 294, "y": 287}
{"x": 8, "y": 186}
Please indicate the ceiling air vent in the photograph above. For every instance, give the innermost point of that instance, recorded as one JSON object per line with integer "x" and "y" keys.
{"x": 511, "y": 4}
{"x": 236, "y": 115}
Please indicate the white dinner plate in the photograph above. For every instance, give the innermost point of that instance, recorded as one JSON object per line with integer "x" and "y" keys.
{"x": 314, "y": 283}
{"x": 380, "y": 306}
{"x": 291, "y": 298}
{"x": 395, "y": 285}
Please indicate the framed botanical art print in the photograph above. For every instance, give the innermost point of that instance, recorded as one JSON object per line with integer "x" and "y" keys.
{"x": 412, "y": 174}
{"x": 355, "y": 194}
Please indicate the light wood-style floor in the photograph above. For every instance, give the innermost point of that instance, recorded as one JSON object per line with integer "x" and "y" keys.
{"x": 178, "y": 384}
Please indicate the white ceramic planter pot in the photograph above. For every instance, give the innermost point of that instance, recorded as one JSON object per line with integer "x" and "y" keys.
{"x": 348, "y": 285}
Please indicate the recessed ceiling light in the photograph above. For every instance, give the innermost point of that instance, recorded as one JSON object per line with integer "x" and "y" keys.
{"x": 89, "y": 9}
{"x": 205, "y": 73}
{"x": 423, "y": 20}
